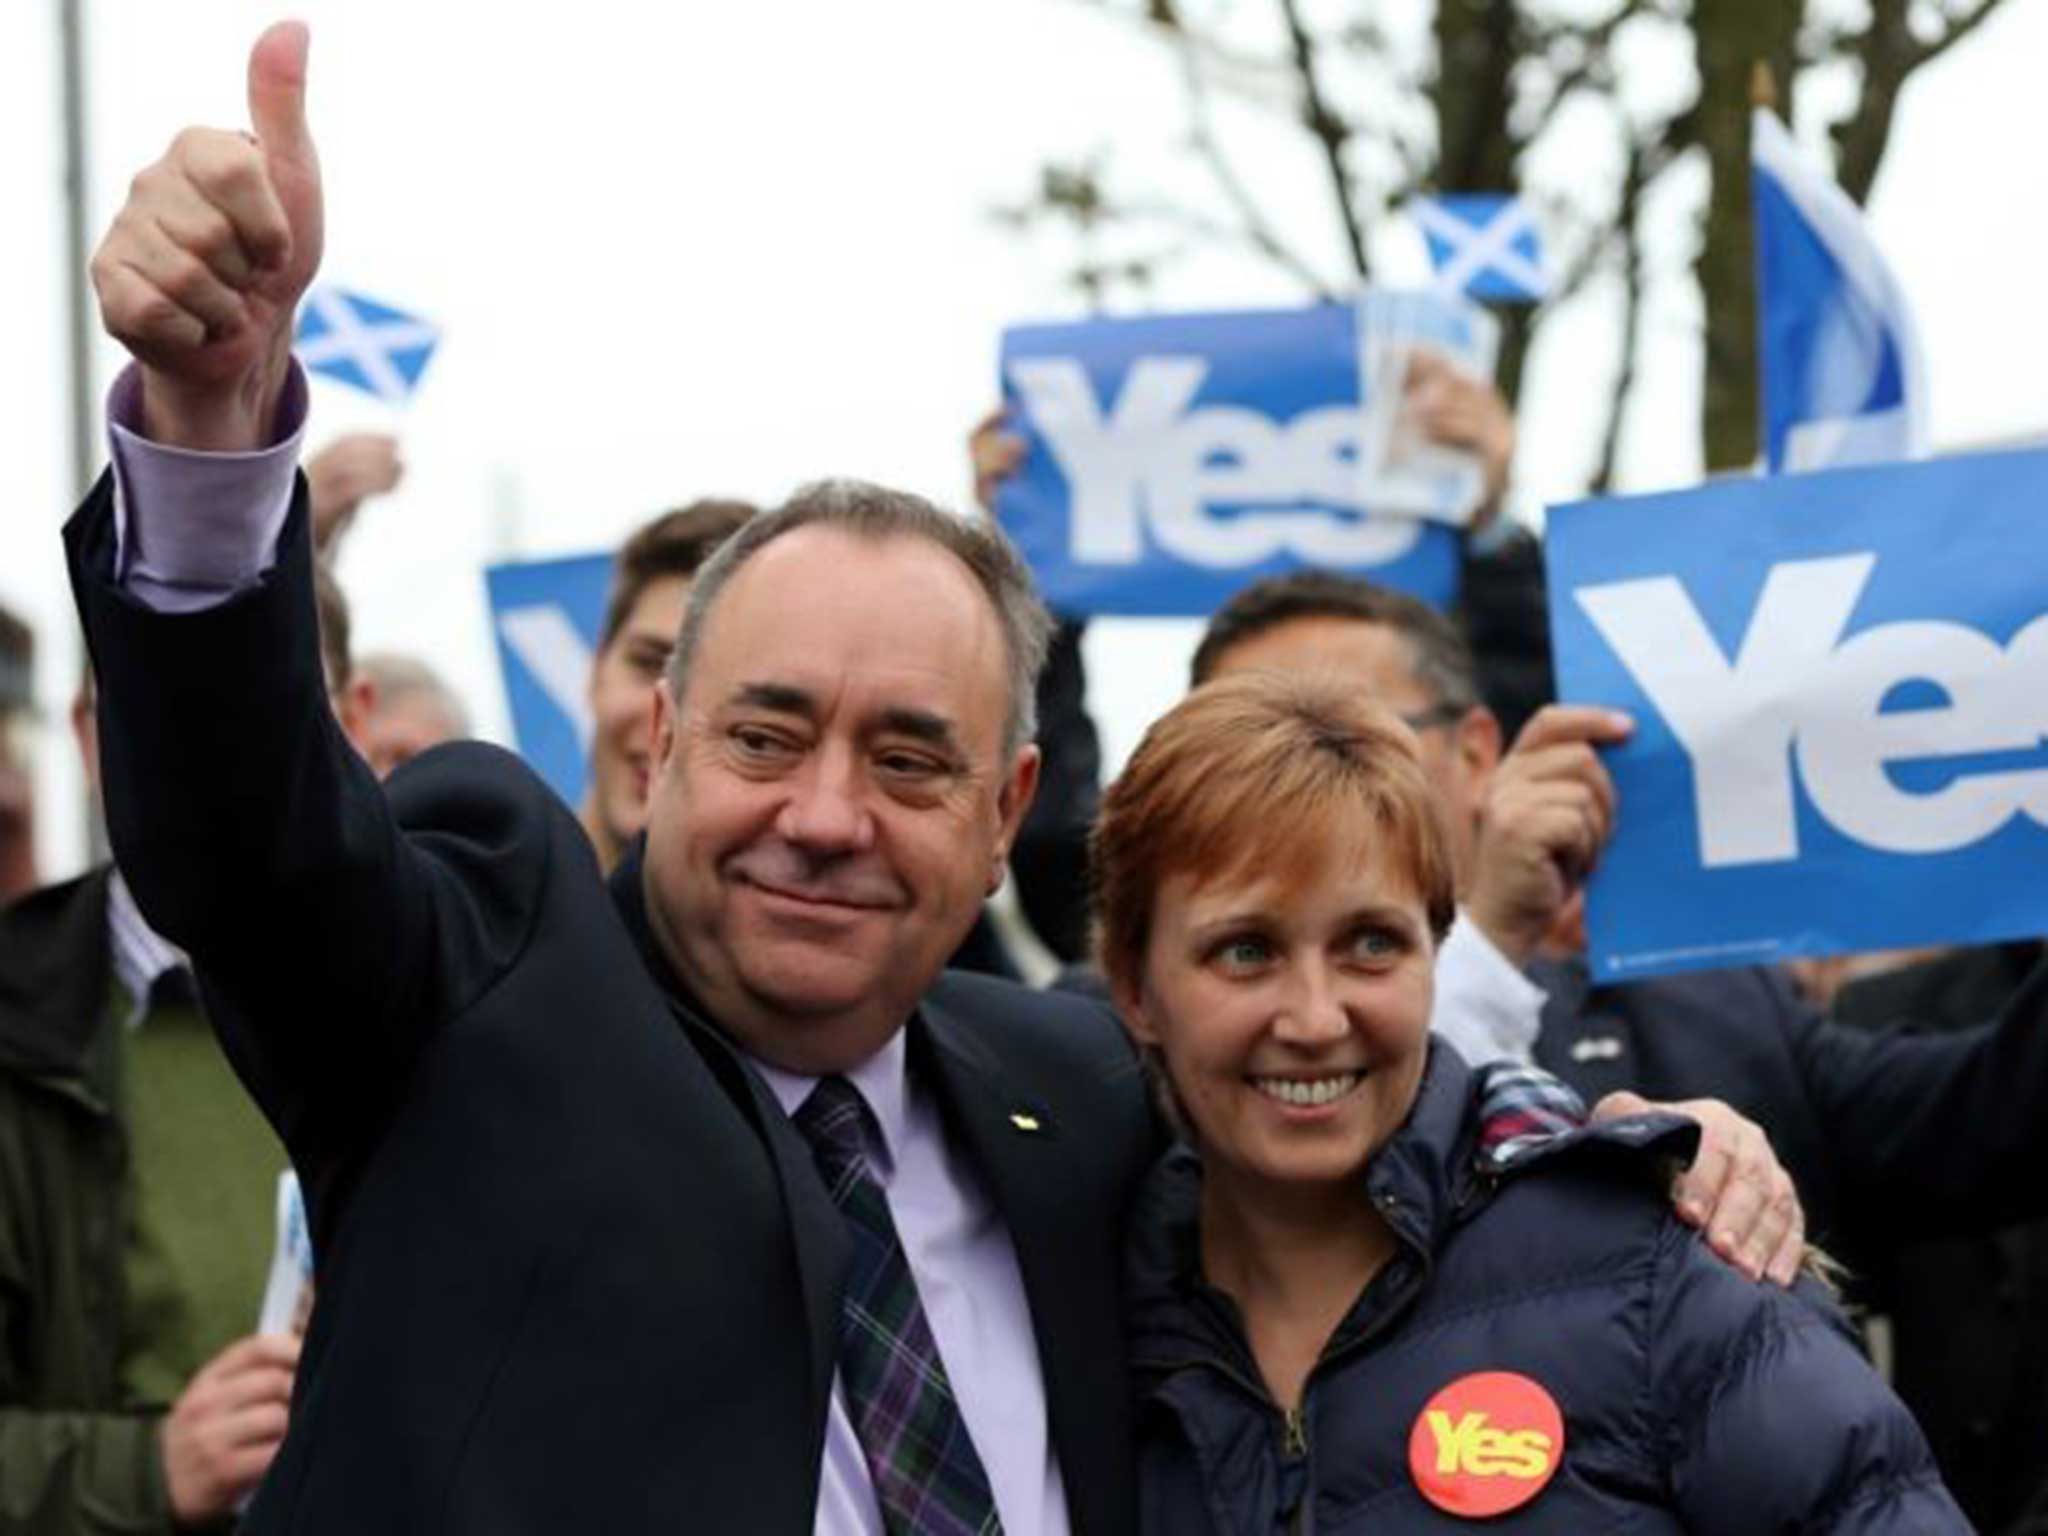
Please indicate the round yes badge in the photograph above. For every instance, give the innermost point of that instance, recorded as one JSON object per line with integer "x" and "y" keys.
{"x": 1486, "y": 1444}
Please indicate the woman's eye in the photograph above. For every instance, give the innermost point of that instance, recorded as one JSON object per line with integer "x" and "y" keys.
{"x": 1244, "y": 953}
{"x": 1376, "y": 944}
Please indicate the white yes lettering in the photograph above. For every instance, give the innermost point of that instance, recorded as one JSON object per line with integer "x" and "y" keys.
{"x": 1153, "y": 463}
{"x": 1797, "y": 690}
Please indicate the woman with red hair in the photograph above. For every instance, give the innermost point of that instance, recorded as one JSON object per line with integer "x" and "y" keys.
{"x": 1376, "y": 1290}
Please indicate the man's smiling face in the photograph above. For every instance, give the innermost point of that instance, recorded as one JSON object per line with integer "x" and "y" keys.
{"x": 831, "y": 800}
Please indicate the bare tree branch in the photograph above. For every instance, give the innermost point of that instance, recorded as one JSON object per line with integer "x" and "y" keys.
{"x": 1260, "y": 79}
{"x": 1389, "y": 120}
{"x": 1887, "y": 52}
{"x": 1574, "y": 278}
{"x": 1330, "y": 132}
{"x": 1257, "y": 229}
{"x": 1960, "y": 26}
{"x": 1592, "y": 66}
{"x": 1627, "y": 222}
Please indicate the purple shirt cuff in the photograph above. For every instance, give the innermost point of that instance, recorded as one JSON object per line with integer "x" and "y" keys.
{"x": 192, "y": 529}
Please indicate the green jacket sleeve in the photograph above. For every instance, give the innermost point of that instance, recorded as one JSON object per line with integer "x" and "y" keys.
{"x": 81, "y": 1474}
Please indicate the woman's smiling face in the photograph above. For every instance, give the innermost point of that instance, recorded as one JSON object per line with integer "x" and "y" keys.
{"x": 1290, "y": 1010}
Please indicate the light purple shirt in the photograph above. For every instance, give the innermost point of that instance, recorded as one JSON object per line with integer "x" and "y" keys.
{"x": 191, "y": 530}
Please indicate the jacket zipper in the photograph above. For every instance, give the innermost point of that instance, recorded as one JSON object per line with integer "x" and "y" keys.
{"x": 1294, "y": 1421}
{"x": 1297, "y": 1434}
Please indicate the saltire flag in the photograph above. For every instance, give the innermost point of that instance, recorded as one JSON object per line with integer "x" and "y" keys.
{"x": 364, "y": 344}
{"x": 1483, "y": 245}
{"x": 1841, "y": 362}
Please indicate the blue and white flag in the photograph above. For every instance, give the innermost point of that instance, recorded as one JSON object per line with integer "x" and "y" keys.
{"x": 1174, "y": 459}
{"x": 366, "y": 345}
{"x": 1841, "y": 365}
{"x": 1840, "y": 687}
{"x": 546, "y": 615}
{"x": 1483, "y": 245}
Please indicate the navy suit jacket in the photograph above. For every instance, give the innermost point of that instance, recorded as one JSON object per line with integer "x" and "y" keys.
{"x": 576, "y": 1271}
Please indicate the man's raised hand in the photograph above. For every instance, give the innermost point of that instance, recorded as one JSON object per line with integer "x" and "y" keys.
{"x": 1547, "y": 816}
{"x": 201, "y": 272}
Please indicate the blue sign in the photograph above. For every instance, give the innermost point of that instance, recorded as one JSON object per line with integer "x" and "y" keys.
{"x": 1176, "y": 459}
{"x": 366, "y": 345}
{"x": 1840, "y": 686}
{"x": 546, "y": 615}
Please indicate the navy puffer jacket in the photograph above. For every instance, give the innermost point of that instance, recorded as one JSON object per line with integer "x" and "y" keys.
{"x": 1691, "y": 1399}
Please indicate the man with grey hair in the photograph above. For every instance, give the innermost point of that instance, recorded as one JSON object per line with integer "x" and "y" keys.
{"x": 703, "y": 1201}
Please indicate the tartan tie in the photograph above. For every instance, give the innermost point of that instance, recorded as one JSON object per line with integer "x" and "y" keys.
{"x": 927, "y": 1475}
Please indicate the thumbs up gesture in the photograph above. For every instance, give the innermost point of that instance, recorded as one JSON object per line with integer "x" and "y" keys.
{"x": 200, "y": 274}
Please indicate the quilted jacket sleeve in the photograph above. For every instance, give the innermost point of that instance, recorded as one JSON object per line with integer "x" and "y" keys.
{"x": 1774, "y": 1421}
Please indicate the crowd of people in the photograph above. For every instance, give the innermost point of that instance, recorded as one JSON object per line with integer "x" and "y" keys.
{"x": 697, "y": 1158}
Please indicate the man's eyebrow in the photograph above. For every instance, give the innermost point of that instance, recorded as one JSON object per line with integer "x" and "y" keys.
{"x": 921, "y": 725}
{"x": 782, "y": 698}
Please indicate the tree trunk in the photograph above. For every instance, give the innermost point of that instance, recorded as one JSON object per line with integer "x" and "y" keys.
{"x": 1731, "y": 37}
{"x": 1477, "y": 46}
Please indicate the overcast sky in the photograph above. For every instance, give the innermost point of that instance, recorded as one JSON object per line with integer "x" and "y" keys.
{"x": 697, "y": 248}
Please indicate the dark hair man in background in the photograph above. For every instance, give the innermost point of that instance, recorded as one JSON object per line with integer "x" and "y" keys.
{"x": 644, "y": 609}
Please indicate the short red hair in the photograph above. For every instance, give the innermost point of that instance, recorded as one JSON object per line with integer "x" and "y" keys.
{"x": 1265, "y": 769}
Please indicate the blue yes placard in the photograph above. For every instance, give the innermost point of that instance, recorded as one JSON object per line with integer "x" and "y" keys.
{"x": 1840, "y": 686}
{"x": 545, "y": 615}
{"x": 1175, "y": 459}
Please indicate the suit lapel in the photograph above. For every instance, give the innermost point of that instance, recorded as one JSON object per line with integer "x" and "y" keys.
{"x": 1020, "y": 1146}
{"x": 817, "y": 1231}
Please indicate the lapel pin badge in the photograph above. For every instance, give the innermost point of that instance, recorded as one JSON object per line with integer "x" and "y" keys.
{"x": 1024, "y": 1122}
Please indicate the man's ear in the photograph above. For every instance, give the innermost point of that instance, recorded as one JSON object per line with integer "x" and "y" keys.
{"x": 1013, "y": 800}
{"x": 661, "y": 725}
{"x": 1477, "y": 740}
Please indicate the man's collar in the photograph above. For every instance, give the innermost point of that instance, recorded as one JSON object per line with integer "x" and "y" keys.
{"x": 882, "y": 1081}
